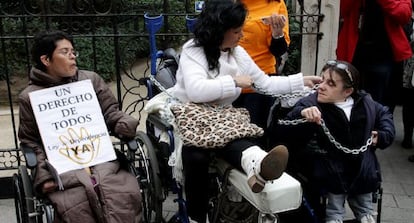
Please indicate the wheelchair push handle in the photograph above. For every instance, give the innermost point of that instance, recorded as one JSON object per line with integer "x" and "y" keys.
{"x": 153, "y": 25}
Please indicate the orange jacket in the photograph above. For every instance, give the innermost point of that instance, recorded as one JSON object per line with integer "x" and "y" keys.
{"x": 257, "y": 36}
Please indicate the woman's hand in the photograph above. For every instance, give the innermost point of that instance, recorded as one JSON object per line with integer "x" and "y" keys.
{"x": 277, "y": 22}
{"x": 312, "y": 114}
{"x": 374, "y": 137}
{"x": 310, "y": 81}
{"x": 243, "y": 81}
{"x": 49, "y": 186}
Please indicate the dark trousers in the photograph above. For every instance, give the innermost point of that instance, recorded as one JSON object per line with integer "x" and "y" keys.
{"x": 196, "y": 163}
{"x": 383, "y": 81}
{"x": 407, "y": 114}
{"x": 258, "y": 106}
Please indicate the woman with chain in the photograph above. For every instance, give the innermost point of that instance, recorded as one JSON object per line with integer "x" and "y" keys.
{"x": 353, "y": 126}
{"x": 212, "y": 70}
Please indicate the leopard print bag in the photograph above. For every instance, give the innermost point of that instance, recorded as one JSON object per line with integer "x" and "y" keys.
{"x": 208, "y": 126}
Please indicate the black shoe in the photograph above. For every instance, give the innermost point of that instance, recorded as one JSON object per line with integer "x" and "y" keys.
{"x": 411, "y": 158}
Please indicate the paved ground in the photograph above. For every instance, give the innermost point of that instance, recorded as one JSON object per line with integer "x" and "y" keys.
{"x": 398, "y": 176}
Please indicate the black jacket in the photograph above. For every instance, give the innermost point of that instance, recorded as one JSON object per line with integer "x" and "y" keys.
{"x": 336, "y": 170}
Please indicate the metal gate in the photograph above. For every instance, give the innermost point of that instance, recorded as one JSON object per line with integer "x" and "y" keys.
{"x": 110, "y": 36}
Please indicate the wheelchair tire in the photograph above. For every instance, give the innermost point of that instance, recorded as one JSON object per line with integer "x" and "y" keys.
{"x": 149, "y": 181}
{"x": 23, "y": 196}
{"x": 19, "y": 204}
{"x": 49, "y": 213}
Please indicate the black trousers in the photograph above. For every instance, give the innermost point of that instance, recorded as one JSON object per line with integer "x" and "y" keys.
{"x": 407, "y": 114}
{"x": 258, "y": 106}
{"x": 196, "y": 163}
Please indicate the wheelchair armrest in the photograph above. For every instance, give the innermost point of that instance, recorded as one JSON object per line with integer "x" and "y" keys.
{"x": 29, "y": 155}
{"x": 132, "y": 145}
{"x": 159, "y": 123}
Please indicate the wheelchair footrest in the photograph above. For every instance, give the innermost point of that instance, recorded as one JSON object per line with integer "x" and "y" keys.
{"x": 280, "y": 195}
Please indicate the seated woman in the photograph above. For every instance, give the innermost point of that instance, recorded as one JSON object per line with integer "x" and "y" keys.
{"x": 347, "y": 169}
{"x": 213, "y": 69}
{"x": 102, "y": 193}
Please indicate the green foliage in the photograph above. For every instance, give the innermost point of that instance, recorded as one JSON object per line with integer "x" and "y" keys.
{"x": 294, "y": 54}
{"x": 99, "y": 53}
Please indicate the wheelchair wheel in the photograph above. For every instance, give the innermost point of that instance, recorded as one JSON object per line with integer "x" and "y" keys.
{"x": 49, "y": 213}
{"x": 146, "y": 166}
{"x": 23, "y": 196}
{"x": 19, "y": 204}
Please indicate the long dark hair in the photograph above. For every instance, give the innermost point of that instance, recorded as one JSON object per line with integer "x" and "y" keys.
{"x": 216, "y": 18}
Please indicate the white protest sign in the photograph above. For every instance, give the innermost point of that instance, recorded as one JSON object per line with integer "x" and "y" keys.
{"x": 72, "y": 126}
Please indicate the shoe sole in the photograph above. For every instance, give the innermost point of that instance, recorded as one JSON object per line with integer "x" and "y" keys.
{"x": 271, "y": 168}
{"x": 274, "y": 164}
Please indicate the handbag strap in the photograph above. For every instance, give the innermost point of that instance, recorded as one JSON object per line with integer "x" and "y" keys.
{"x": 162, "y": 88}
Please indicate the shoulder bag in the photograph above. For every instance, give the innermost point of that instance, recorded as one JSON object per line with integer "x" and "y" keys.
{"x": 209, "y": 126}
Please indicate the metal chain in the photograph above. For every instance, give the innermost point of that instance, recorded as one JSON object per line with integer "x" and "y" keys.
{"x": 282, "y": 122}
{"x": 330, "y": 137}
{"x": 288, "y": 96}
{"x": 168, "y": 116}
{"x": 298, "y": 94}
{"x": 160, "y": 87}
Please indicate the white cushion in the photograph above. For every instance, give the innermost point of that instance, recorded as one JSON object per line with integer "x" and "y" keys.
{"x": 280, "y": 195}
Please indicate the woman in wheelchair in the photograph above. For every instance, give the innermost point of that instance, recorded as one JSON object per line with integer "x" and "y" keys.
{"x": 213, "y": 69}
{"x": 101, "y": 193}
{"x": 349, "y": 171}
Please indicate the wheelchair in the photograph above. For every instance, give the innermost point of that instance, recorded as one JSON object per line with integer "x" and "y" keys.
{"x": 311, "y": 204}
{"x": 281, "y": 195}
{"x": 30, "y": 207}
{"x": 133, "y": 155}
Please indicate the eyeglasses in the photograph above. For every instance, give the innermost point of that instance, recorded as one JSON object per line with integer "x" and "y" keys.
{"x": 67, "y": 52}
{"x": 341, "y": 66}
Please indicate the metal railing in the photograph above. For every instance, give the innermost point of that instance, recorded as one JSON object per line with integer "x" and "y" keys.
{"x": 116, "y": 24}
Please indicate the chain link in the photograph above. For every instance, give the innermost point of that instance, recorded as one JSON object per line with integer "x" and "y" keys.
{"x": 330, "y": 137}
{"x": 160, "y": 87}
{"x": 298, "y": 94}
{"x": 164, "y": 114}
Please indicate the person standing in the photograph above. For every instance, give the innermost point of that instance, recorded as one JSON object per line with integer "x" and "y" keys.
{"x": 266, "y": 39}
{"x": 408, "y": 104}
{"x": 371, "y": 37}
{"x": 408, "y": 108}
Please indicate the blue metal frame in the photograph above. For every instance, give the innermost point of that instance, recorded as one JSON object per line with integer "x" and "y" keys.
{"x": 153, "y": 25}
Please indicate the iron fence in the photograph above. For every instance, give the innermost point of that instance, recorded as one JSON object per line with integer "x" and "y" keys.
{"x": 110, "y": 36}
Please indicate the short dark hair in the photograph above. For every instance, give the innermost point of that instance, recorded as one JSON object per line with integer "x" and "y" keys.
{"x": 350, "y": 79}
{"x": 217, "y": 17}
{"x": 44, "y": 43}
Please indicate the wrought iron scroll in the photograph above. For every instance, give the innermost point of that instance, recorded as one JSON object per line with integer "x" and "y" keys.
{"x": 117, "y": 23}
